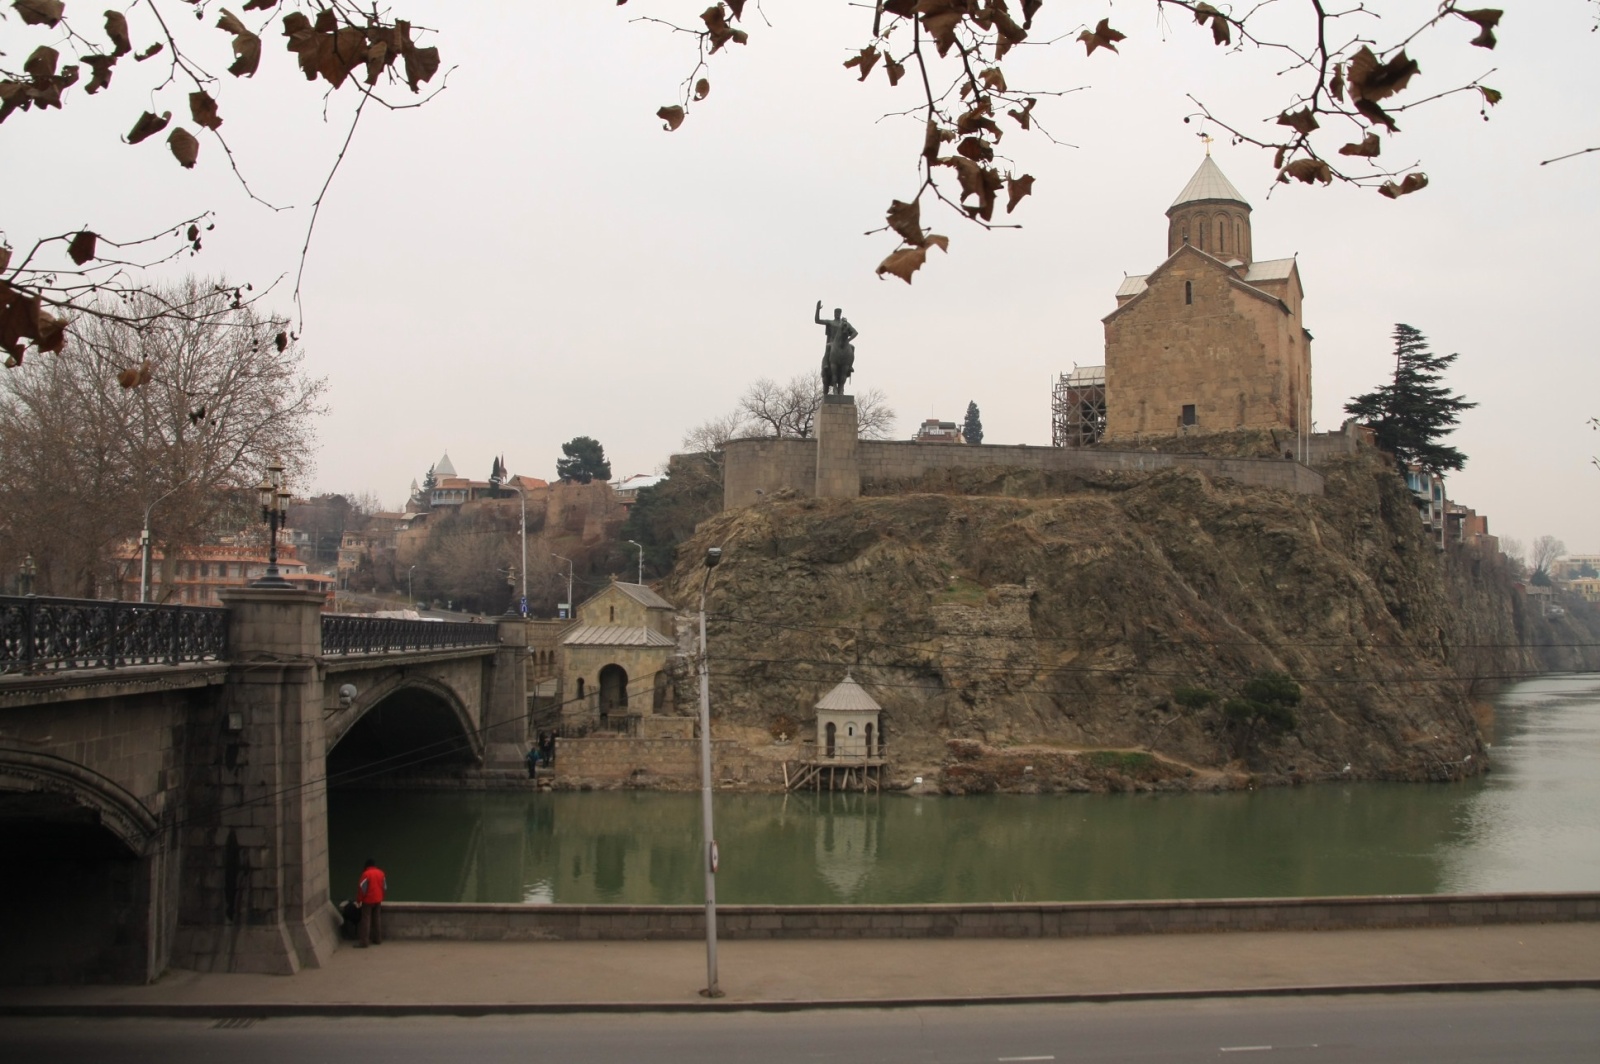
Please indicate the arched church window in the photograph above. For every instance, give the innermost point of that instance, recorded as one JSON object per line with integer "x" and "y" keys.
{"x": 1203, "y": 235}
{"x": 1222, "y": 237}
{"x": 1238, "y": 238}
{"x": 1188, "y": 292}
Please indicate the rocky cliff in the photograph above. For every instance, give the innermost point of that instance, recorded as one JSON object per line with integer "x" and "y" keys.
{"x": 1029, "y": 633}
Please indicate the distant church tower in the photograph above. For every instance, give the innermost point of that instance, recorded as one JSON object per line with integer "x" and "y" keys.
{"x": 1211, "y": 340}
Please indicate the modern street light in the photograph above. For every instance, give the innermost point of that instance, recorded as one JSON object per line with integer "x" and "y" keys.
{"x": 144, "y": 547}
{"x": 275, "y": 512}
{"x": 636, "y": 543}
{"x": 410, "y": 594}
{"x": 524, "y": 500}
{"x": 713, "y": 556}
{"x": 559, "y": 558}
{"x": 25, "y": 574}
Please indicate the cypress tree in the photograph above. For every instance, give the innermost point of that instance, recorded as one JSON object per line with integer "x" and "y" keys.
{"x": 1411, "y": 413}
{"x": 972, "y": 429}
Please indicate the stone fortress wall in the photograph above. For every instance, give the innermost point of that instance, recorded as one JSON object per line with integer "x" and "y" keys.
{"x": 756, "y": 469}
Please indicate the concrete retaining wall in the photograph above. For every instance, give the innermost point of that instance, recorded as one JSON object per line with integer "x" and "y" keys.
{"x": 767, "y": 466}
{"x": 496, "y": 923}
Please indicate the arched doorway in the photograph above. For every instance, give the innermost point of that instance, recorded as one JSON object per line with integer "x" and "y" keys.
{"x": 832, "y": 734}
{"x": 870, "y": 751}
{"x": 613, "y": 692}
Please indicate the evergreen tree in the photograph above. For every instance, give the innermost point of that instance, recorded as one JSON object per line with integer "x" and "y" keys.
{"x": 1414, "y": 411}
{"x": 497, "y": 476}
{"x": 972, "y": 429}
{"x": 585, "y": 461}
{"x": 430, "y": 480}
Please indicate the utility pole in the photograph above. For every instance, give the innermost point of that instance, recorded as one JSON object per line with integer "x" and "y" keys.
{"x": 713, "y": 556}
{"x": 636, "y": 543}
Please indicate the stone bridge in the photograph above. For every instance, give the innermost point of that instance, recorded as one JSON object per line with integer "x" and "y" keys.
{"x": 164, "y": 769}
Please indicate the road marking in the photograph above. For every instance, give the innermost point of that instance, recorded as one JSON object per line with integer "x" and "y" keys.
{"x": 1017, "y": 1060}
{"x": 1243, "y": 1049}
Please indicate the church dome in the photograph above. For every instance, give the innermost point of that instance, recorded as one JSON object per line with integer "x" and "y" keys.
{"x": 1208, "y": 184}
{"x": 1211, "y": 215}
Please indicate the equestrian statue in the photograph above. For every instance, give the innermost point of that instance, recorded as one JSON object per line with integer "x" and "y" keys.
{"x": 839, "y": 356}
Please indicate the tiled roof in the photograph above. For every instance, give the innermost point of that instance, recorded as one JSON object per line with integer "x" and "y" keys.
{"x": 644, "y": 596}
{"x": 1208, "y": 184}
{"x": 1270, "y": 270}
{"x": 849, "y": 696}
{"x": 615, "y": 635}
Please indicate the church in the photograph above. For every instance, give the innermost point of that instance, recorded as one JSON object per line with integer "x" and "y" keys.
{"x": 1212, "y": 339}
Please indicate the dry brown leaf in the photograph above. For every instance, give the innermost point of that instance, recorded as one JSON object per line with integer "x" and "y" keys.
{"x": 702, "y": 89}
{"x": 1102, "y": 36}
{"x": 941, "y": 26}
{"x": 1490, "y": 96}
{"x": 866, "y": 60}
{"x": 1411, "y": 183}
{"x": 896, "y": 71}
{"x": 184, "y": 147}
{"x": 1016, "y": 188}
{"x": 672, "y": 116}
{"x": 1377, "y": 115}
{"x": 203, "y": 109}
{"x": 1302, "y": 122}
{"x": 1336, "y": 86}
{"x": 148, "y": 52}
{"x": 82, "y": 248}
{"x": 1307, "y": 170}
{"x": 117, "y": 30}
{"x": 148, "y": 126}
{"x": 934, "y": 136}
{"x": 281, "y": 341}
{"x": 260, "y": 5}
{"x": 5, "y": 260}
{"x": 994, "y": 79}
{"x": 738, "y": 8}
{"x": 906, "y": 220}
{"x": 1022, "y": 116}
{"x": 41, "y": 64}
{"x": 1367, "y": 149}
{"x": 1008, "y": 34}
{"x": 1486, "y": 18}
{"x": 1371, "y": 80}
{"x": 52, "y": 336}
{"x": 907, "y": 261}
{"x": 39, "y": 12}
{"x": 718, "y": 30}
{"x": 101, "y": 65}
{"x": 977, "y": 149}
{"x": 135, "y": 376}
{"x": 421, "y": 64}
{"x": 246, "y": 45}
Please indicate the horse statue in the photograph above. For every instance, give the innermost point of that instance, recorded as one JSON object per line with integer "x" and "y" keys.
{"x": 839, "y": 356}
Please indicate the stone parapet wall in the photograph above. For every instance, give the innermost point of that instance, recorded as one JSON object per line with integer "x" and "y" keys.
{"x": 497, "y": 923}
{"x": 769, "y": 466}
{"x": 603, "y": 760}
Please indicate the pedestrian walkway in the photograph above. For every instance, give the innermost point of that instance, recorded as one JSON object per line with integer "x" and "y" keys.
{"x": 403, "y": 977}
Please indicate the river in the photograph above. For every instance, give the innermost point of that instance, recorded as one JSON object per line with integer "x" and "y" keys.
{"x": 1530, "y": 825}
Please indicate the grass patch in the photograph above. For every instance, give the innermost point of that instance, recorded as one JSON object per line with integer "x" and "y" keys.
{"x": 1121, "y": 760}
{"x": 964, "y": 592}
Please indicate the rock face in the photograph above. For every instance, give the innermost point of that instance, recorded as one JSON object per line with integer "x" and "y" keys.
{"x": 1063, "y": 616}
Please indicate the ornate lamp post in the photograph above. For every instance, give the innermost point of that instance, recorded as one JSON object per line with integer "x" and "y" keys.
{"x": 511, "y": 591}
{"x": 25, "y": 574}
{"x": 275, "y": 512}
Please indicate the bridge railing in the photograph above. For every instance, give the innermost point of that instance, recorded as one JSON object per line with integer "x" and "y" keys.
{"x": 50, "y": 634}
{"x": 345, "y": 634}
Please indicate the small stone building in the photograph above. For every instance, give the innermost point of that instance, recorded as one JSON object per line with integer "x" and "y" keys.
{"x": 614, "y": 659}
{"x": 849, "y": 725}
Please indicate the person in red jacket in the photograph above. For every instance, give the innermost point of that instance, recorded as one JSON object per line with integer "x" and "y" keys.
{"x": 369, "y": 895}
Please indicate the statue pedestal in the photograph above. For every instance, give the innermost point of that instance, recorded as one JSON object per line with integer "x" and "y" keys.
{"x": 838, "y": 459}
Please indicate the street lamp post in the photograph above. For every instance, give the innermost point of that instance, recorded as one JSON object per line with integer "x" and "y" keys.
{"x": 559, "y": 558}
{"x": 636, "y": 543}
{"x": 25, "y": 574}
{"x": 275, "y": 512}
{"x": 410, "y": 594}
{"x": 524, "y": 500}
{"x": 713, "y": 556}
{"x": 511, "y": 591}
{"x": 144, "y": 548}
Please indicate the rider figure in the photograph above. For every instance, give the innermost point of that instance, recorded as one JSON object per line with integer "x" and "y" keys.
{"x": 839, "y": 355}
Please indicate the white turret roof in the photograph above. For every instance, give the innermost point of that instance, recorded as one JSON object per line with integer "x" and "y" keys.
{"x": 1208, "y": 183}
{"x": 443, "y": 467}
{"x": 850, "y": 696}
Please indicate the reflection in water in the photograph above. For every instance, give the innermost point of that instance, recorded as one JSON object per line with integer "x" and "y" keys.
{"x": 1528, "y": 826}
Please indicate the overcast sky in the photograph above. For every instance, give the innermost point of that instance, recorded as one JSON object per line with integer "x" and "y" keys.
{"x": 530, "y": 257}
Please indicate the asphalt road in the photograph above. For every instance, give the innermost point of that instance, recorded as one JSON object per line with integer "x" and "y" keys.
{"x": 1505, "y": 1028}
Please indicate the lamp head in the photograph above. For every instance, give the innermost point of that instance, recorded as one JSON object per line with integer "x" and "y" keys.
{"x": 713, "y": 556}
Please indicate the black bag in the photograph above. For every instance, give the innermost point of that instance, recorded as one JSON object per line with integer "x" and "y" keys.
{"x": 350, "y": 922}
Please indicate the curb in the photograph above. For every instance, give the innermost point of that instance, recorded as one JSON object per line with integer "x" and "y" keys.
{"x": 277, "y": 1010}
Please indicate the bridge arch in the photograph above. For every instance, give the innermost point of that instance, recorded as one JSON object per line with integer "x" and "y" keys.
{"x": 403, "y": 722}
{"x": 84, "y": 876}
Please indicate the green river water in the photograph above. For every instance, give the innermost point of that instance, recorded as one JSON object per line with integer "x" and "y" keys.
{"x": 1531, "y": 824}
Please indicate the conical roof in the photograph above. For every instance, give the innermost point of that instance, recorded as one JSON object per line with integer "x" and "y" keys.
{"x": 444, "y": 467}
{"x": 1208, "y": 183}
{"x": 849, "y": 695}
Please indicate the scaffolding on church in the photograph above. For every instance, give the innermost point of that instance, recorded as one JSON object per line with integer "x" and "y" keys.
{"x": 1078, "y": 407}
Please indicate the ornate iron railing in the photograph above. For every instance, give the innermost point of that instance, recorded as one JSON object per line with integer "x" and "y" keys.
{"x": 343, "y": 634}
{"x": 53, "y": 634}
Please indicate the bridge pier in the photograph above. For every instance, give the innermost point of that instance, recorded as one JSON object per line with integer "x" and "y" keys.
{"x": 504, "y": 716}
{"x": 254, "y": 895}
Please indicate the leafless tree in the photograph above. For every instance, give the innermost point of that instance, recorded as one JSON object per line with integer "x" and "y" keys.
{"x": 1545, "y": 552}
{"x": 1516, "y": 556}
{"x": 181, "y": 416}
{"x": 789, "y": 410}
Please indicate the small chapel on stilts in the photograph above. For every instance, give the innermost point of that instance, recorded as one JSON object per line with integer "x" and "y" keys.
{"x": 848, "y": 753}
